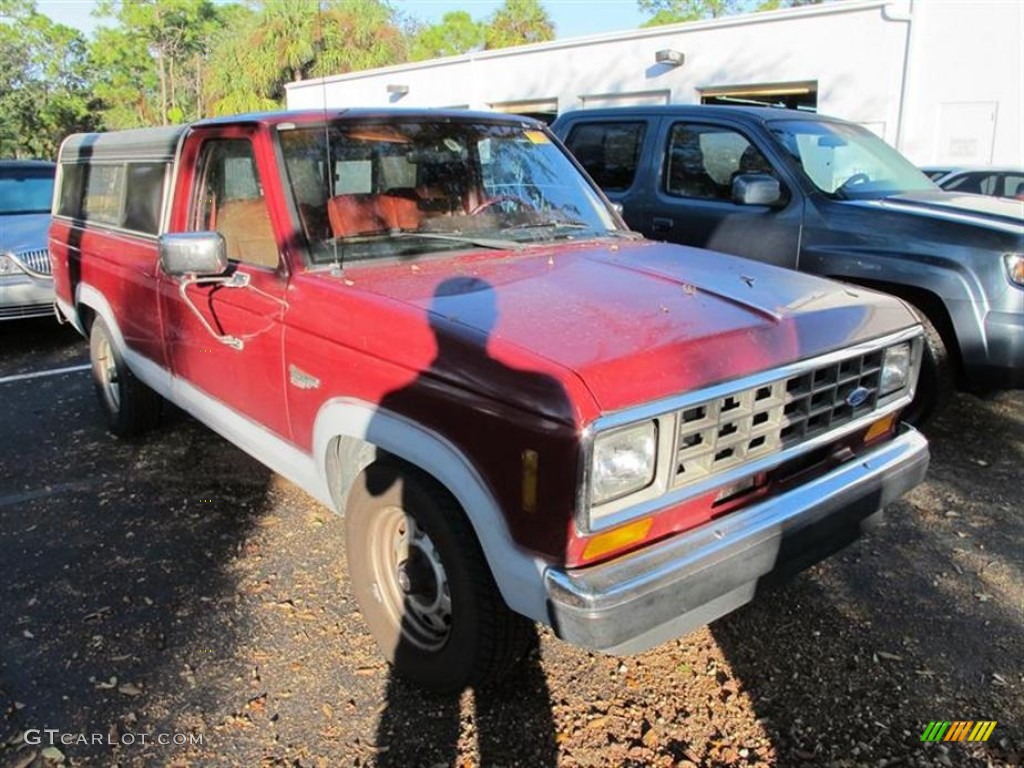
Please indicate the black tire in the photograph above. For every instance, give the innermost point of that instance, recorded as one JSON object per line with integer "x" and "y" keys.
{"x": 479, "y": 640}
{"x": 937, "y": 382}
{"x": 130, "y": 407}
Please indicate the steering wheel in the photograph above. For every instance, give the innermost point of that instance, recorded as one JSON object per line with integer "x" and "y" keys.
{"x": 497, "y": 200}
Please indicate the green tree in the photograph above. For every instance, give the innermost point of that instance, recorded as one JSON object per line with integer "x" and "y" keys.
{"x": 44, "y": 91}
{"x": 519, "y": 22}
{"x": 149, "y": 67}
{"x": 457, "y": 33}
{"x": 676, "y": 11}
{"x": 291, "y": 40}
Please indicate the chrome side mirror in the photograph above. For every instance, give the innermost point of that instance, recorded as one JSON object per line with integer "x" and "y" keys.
{"x": 193, "y": 253}
{"x": 756, "y": 189}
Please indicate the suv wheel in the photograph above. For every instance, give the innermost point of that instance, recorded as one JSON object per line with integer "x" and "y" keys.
{"x": 129, "y": 405}
{"x": 423, "y": 585}
{"x": 937, "y": 382}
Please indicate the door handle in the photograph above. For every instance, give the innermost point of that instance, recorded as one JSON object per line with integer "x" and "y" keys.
{"x": 661, "y": 224}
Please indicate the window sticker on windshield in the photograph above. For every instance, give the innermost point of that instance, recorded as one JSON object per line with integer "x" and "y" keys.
{"x": 484, "y": 148}
{"x": 537, "y": 137}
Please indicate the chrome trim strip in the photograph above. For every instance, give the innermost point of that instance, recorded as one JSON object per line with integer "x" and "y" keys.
{"x": 764, "y": 464}
{"x": 678, "y": 402}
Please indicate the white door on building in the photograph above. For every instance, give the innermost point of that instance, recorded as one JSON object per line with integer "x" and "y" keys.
{"x": 966, "y": 132}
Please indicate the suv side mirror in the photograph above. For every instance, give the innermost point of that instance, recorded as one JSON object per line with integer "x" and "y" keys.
{"x": 193, "y": 253}
{"x": 756, "y": 189}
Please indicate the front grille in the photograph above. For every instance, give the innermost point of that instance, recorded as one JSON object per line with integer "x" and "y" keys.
{"x": 36, "y": 260}
{"x": 26, "y": 311}
{"x": 728, "y": 431}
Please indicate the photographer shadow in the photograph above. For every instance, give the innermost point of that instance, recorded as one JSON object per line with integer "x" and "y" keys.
{"x": 509, "y": 722}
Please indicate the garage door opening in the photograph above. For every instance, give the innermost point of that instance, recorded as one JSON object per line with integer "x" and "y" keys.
{"x": 803, "y": 96}
{"x": 539, "y": 109}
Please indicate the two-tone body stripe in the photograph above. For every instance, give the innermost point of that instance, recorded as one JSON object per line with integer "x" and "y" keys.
{"x": 994, "y": 221}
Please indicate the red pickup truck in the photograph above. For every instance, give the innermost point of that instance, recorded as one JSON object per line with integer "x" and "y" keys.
{"x": 434, "y": 324}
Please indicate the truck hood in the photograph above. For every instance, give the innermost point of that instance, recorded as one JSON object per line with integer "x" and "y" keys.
{"x": 632, "y": 323}
{"x": 23, "y": 231}
{"x": 974, "y": 210}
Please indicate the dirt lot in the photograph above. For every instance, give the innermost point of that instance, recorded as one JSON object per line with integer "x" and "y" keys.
{"x": 173, "y": 587}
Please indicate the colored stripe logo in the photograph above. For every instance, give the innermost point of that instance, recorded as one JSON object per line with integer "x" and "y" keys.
{"x": 958, "y": 730}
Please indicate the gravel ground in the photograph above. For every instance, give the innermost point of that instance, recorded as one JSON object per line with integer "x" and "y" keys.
{"x": 172, "y": 585}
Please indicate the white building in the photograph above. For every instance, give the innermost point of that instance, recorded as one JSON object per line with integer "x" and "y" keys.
{"x": 941, "y": 80}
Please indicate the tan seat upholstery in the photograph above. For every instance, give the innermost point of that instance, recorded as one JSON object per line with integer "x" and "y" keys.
{"x": 365, "y": 214}
{"x": 248, "y": 234}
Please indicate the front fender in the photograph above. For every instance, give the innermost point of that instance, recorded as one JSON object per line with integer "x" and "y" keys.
{"x": 364, "y": 428}
{"x": 944, "y": 280}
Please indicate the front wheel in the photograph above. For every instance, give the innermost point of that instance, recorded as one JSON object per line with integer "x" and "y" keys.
{"x": 423, "y": 585}
{"x": 130, "y": 407}
{"x": 937, "y": 381}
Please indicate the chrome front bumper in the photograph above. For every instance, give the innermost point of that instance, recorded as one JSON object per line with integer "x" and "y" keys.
{"x": 24, "y": 296}
{"x": 669, "y": 589}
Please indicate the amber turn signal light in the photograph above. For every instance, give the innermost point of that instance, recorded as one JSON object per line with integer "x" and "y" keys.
{"x": 617, "y": 538}
{"x": 879, "y": 428}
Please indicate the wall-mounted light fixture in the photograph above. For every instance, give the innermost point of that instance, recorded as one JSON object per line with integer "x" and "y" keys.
{"x": 669, "y": 57}
{"x": 397, "y": 90}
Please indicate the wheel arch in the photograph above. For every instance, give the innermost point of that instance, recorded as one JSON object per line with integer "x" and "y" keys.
{"x": 923, "y": 300}
{"x": 351, "y": 434}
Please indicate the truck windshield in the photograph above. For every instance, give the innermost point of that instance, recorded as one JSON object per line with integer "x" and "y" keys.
{"x": 847, "y": 161}
{"x": 24, "y": 190}
{"x": 400, "y": 188}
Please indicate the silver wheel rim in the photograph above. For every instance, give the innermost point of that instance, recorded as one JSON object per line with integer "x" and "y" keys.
{"x": 410, "y": 580}
{"x": 107, "y": 375}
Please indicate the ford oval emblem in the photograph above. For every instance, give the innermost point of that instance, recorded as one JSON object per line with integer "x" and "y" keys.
{"x": 858, "y": 397}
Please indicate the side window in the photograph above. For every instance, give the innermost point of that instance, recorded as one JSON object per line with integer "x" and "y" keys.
{"x": 973, "y": 183}
{"x": 609, "y": 151}
{"x": 129, "y": 196}
{"x": 144, "y": 197}
{"x": 353, "y": 177}
{"x": 988, "y": 184}
{"x": 702, "y": 161}
{"x": 228, "y": 198}
{"x": 101, "y": 202}
{"x": 1013, "y": 186}
{"x": 70, "y": 204}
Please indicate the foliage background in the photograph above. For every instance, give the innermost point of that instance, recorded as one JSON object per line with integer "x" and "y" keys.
{"x": 159, "y": 62}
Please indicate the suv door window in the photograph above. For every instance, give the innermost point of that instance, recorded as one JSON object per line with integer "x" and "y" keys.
{"x": 702, "y": 161}
{"x": 609, "y": 151}
{"x": 229, "y": 199}
{"x": 1013, "y": 186}
{"x": 974, "y": 183}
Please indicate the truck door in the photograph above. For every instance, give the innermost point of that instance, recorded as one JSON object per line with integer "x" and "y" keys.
{"x": 690, "y": 199}
{"x": 611, "y": 152}
{"x": 223, "y": 186}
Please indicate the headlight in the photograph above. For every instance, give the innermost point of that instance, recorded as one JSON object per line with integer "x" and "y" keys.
{"x": 8, "y": 266}
{"x": 895, "y": 369}
{"x": 624, "y": 461}
{"x": 1015, "y": 267}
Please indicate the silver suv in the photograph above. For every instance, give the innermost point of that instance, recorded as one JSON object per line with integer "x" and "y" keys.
{"x": 26, "y": 194}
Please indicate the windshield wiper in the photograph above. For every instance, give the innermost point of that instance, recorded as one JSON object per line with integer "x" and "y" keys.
{"x": 483, "y": 242}
{"x": 570, "y": 224}
{"x": 401, "y": 234}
